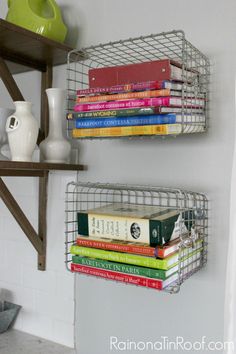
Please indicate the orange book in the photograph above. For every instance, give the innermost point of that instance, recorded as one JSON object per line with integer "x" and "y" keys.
{"x": 124, "y": 96}
{"x": 129, "y": 247}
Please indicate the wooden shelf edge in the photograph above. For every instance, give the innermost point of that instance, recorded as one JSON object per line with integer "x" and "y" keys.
{"x": 38, "y": 166}
{"x": 50, "y": 42}
{"x": 25, "y": 50}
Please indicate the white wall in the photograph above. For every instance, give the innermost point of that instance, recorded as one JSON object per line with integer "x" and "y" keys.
{"x": 201, "y": 163}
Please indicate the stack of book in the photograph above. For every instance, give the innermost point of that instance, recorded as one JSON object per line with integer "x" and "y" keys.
{"x": 135, "y": 244}
{"x": 150, "y": 98}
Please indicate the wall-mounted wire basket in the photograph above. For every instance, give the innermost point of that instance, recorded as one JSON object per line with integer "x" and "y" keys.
{"x": 84, "y": 196}
{"x": 169, "y": 45}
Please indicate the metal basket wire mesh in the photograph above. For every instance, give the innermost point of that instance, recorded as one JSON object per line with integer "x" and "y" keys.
{"x": 84, "y": 196}
{"x": 169, "y": 45}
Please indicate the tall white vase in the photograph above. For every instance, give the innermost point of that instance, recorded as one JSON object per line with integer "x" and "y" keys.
{"x": 4, "y": 114}
{"x": 55, "y": 148}
{"x": 22, "y": 130}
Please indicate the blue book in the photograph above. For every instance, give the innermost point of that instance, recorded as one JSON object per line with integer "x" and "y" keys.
{"x": 169, "y": 118}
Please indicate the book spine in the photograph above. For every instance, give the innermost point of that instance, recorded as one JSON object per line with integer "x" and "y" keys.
{"x": 125, "y": 121}
{"x": 122, "y": 257}
{"x": 124, "y": 96}
{"x": 165, "y": 129}
{"x": 139, "y": 86}
{"x": 133, "y": 103}
{"x": 115, "y": 113}
{"x": 119, "y": 267}
{"x": 117, "y": 276}
{"x": 155, "y": 70}
{"x": 142, "y": 250}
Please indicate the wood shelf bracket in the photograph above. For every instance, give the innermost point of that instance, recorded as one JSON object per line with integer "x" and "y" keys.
{"x": 9, "y": 82}
{"x": 22, "y": 51}
{"x": 38, "y": 240}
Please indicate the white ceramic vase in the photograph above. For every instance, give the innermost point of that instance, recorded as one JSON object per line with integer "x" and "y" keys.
{"x": 4, "y": 114}
{"x": 22, "y": 130}
{"x": 55, "y": 148}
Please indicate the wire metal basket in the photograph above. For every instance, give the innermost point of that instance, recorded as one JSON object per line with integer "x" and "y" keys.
{"x": 169, "y": 45}
{"x": 84, "y": 196}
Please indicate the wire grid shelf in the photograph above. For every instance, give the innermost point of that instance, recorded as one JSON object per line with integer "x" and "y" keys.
{"x": 84, "y": 196}
{"x": 167, "y": 45}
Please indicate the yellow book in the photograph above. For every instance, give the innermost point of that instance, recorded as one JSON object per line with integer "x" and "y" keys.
{"x": 161, "y": 129}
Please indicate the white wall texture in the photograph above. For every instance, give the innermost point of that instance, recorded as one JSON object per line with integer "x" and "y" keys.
{"x": 198, "y": 162}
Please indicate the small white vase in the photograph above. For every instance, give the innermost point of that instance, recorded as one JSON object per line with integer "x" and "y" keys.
{"x": 55, "y": 148}
{"x": 4, "y": 114}
{"x": 22, "y": 130}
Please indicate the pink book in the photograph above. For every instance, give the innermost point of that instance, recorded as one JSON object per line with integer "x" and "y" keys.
{"x": 124, "y": 278}
{"x": 137, "y": 103}
{"x": 139, "y": 86}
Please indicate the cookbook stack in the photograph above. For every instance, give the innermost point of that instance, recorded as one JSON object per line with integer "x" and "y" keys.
{"x": 149, "y": 98}
{"x": 135, "y": 244}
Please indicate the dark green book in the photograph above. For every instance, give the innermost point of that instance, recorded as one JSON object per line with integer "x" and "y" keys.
{"x": 114, "y": 113}
{"x": 149, "y": 224}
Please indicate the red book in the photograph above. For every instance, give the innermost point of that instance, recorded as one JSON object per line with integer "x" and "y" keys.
{"x": 124, "y": 278}
{"x": 112, "y": 245}
{"x": 156, "y": 70}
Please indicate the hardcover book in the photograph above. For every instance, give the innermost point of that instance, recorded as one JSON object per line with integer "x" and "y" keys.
{"x": 134, "y": 112}
{"x": 169, "y": 118}
{"x": 142, "y": 261}
{"x": 129, "y": 246}
{"x": 136, "y": 270}
{"x": 149, "y": 224}
{"x": 138, "y": 86}
{"x": 158, "y": 129}
{"x": 138, "y": 94}
{"x": 138, "y": 103}
{"x": 124, "y": 278}
{"x": 124, "y": 96}
{"x": 156, "y": 70}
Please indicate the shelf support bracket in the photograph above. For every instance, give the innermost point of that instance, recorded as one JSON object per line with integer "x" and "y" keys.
{"x": 20, "y": 217}
{"x": 42, "y": 217}
{"x": 9, "y": 82}
{"x": 46, "y": 82}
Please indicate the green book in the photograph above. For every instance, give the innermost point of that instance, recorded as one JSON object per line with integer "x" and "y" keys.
{"x": 150, "y": 224}
{"x": 130, "y": 269}
{"x": 148, "y": 262}
{"x": 115, "y": 113}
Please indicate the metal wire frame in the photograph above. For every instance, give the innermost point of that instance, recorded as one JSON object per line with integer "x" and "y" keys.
{"x": 165, "y": 45}
{"x": 84, "y": 196}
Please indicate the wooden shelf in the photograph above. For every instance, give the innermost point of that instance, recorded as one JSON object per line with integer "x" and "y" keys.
{"x": 25, "y": 50}
{"x": 15, "y": 168}
{"x": 21, "y": 51}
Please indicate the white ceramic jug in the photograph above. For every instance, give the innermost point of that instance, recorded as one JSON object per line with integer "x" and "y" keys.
{"x": 22, "y": 130}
